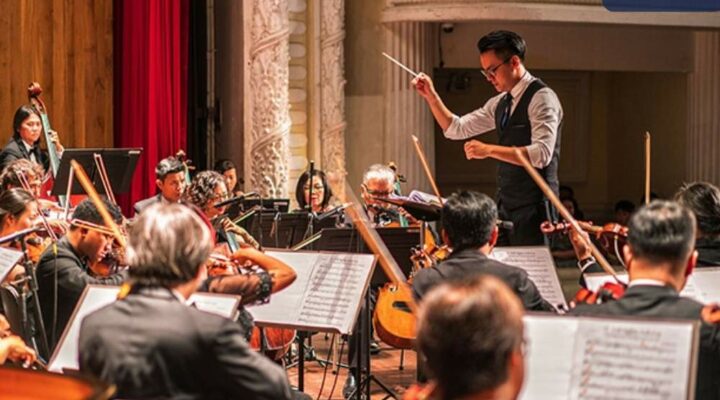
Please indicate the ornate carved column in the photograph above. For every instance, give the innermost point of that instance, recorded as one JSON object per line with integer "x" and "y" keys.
{"x": 332, "y": 89}
{"x": 703, "y": 145}
{"x": 267, "y": 120}
{"x": 406, "y": 113}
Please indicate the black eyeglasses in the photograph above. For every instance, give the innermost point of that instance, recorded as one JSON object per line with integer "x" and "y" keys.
{"x": 490, "y": 72}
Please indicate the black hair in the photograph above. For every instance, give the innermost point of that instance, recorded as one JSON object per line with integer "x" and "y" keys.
{"x": 469, "y": 218}
{"x": 505, "y": 44}
{"x": 21, "y": 114}
{"x": 300, "y": 188}
{"x": 703, "y": 199}
{"x": 13, "y": 202}
{"x": 86, "y": 211}
{"x": 223, "y": 165}
{"x": 662, "y": 231}
{"x": 625, "y": 205}
{"x": 167, "y": 166}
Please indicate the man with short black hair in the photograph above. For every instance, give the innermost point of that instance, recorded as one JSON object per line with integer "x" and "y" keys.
{"x": 86, "y": 242}
{"x": 703, "y": 199}
{"x": 469, "y": 222}
{"x": 470, "y": 338}
{"x": 151, "y": 344}
{"x": 659, "y": 257}
{"x": 170, "y": 181}
{"x": 526, "y": 114}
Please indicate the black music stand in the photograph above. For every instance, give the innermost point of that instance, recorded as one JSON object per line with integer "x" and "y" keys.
{"x": 267, "y": 205}
{"x": 277, "y": 229}
{"x": 398, "y": 240}
{"x": 119, "y": 163}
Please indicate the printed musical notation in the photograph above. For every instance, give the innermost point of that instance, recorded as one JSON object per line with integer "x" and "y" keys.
{"x": 608, "y": 359}
{"x": 325, "y": 295}
{"x": 538, "y": 263}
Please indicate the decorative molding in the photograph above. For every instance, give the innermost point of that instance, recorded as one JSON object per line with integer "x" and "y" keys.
{"x": 566, "y": 11}
{"x": 406, "y": 113}
{"x": 703, "y": 138}
{"x": 332, "y": 90}
{"x": 267, "y": 132}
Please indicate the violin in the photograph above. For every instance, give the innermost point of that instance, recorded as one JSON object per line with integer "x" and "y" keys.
{"x": 612, "y": 236}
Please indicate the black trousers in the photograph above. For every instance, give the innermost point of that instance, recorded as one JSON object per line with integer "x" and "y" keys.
{"x": 526, "y": 224}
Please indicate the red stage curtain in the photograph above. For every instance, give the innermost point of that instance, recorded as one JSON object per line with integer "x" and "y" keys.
{"x": 150, "y": 76}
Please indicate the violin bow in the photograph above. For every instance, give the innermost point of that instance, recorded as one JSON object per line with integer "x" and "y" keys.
{"x": 426, "y": 167}
{"x": 564, "y": 212}
{"x": 95, "y": 198}
{"x": 647, "y": 167}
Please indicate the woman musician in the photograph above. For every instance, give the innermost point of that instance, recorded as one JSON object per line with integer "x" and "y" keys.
{"x": 24, "y": 144}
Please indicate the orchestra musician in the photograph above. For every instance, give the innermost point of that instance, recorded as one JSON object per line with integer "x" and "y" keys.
{"x": 67, "y": 270}
{"x": 659, "y": 257}
{"x": 170, "y": 181}
{"x": 526, "y": 114}
{"x": 703, "y": 199}
{"x": 25, "y": 141}
{"x": 33, "y": 173}
{"x": 379, "y": 182}
{"x": 321, "y": 192}
{"x": 151, "y": 344}
{"x": 12, "y": 347}
{"x": 18, "y": 211}
{"x": 469, "y": 222}
{"x": 227, "y": 169}
{"x": 470, "y": 338}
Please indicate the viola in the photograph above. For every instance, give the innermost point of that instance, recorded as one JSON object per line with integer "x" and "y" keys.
{"x": 612, "y": 237}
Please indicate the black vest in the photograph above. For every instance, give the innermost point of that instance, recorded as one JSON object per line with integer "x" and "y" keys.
{"x": 516, "y": 188}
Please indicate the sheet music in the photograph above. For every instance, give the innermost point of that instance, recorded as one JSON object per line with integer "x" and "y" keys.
{"x": 96, "y": 297}
{"x": 702, "y": 285}
{"x": 604, "y": 358}
{"x": 325, "y": 295}
{"x": 8, "y": 259}
{"x": 538, "y": 263}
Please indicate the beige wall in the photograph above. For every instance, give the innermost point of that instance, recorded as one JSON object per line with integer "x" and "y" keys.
{"x": 635, "y": 84}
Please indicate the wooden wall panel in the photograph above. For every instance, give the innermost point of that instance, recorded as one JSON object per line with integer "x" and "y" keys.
{"x": 67, "y": 46}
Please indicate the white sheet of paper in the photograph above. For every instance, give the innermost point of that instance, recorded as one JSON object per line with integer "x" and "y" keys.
{"x": 538, "y": 263}
{"x": 702, "y": 285}
{"x": 96, "y": 297}
{"x": 8, "y": 259}
{"x": 325, "y": 295}
{"x": 602, "y": 358}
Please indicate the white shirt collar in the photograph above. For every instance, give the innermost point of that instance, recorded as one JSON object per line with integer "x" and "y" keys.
{"x": 180, "y": 297}
{"x": 517, "y": 91}
{"x": 646, "y": 282}
{"x": 28, "y": 147}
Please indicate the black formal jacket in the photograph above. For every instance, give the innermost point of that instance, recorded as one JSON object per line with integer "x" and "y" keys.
{"x": 15, "y": 149}
{"x": 471, "y": 262}
{"x": 151, "y": 345}
{"x": 143, "y": 204}
{"x": 72, "y": 277}
{"x": 665, "y": 302}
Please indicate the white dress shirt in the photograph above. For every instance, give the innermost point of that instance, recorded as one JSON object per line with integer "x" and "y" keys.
{"x": 544, "y": 111}
{"x": 29, "y": 149}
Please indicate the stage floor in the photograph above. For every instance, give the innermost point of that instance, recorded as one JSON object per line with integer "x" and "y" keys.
{"x": 385, "y": 366}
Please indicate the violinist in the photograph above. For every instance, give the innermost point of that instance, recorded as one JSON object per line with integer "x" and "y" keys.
{"x": 659, "y": 257}
{"x": 87, "y": 241}
{"x": 25, "y": 142}
{"x": 469, "y": 222}
{"x": 170, "y": 181}
{"x": 483, "y": 356}
{"x": 206, "y": 190}
{"x": 18, "y": 211}
{"x": 321, "y": 192}
{"x": 703, "y": 199}
{"x": 379, "y": 181}
{"x": 151, "y": 344}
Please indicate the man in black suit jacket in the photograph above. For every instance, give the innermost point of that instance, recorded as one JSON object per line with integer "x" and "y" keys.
{"x": 68, "y": 270}
{"x": 469, "y": 227}
{"x": 659, "y": 256}
{"x": 151, "y": 344}
{"x": 170, "y": 180}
